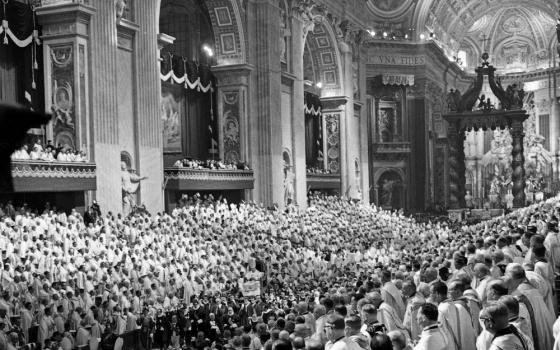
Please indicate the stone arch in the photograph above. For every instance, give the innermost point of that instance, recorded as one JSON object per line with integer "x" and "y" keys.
{"x": 227, "y": 26}
{"x": 322, "y": 46}
{"x": 424, "y": 11}
{"x": 380, "y": 172}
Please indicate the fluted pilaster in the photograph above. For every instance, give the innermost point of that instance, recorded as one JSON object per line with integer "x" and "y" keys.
{"x": 103, "y": 46}
{"x": 266, "y": 138}
{"x": 148, "y": 81}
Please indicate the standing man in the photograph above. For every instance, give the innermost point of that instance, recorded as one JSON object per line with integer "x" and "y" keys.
{"x": 432, "y": 338}
{"x": 505, "y": 336}
{"x": 335, "y": 329}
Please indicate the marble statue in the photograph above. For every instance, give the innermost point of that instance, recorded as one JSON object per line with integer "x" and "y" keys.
{"x": 120, "y": 6}
{"x": 387, "y": 193}
{"x": 469, "y": 200}
{"x": 289, "y": 179}
{"x": 130, "y": 184}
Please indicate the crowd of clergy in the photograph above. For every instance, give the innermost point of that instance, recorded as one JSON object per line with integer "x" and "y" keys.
{"x": 339, "y": 275}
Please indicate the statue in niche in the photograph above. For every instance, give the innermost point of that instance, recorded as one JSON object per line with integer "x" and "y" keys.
{"x": 385, "y": 125}
{"x": 387, "y": 193}
{"x": 469, "y": 200}
{"x": 289, "y": 179}
{"x": 284, "y": 34}
{"x": 130, "y": 184}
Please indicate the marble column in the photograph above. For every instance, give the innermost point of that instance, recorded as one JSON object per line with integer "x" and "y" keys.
{"x": 298, "y": 114}
{"x": 363, "y": 125}
{"x": 349, "y": 128}
{"x": 517, "y": 164}
{"x": 263, "y": 27}
{"x": 148, "y": 103}
{"x": 555, "y": 136}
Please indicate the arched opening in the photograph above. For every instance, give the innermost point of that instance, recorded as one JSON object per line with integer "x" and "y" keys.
{"x": 188, "y": 94}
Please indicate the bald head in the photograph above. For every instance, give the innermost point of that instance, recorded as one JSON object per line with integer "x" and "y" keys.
{"x": 495, "y": 317}
{"x": 481, "y": 270}
{"x": 515, "y": 272}
{"x": 512, "y": 305}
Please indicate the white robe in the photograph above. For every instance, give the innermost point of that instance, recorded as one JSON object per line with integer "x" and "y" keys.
{"x": 432, "y": 339}
{"x": 543, "y": 318}
{"x": 466, "y": 335}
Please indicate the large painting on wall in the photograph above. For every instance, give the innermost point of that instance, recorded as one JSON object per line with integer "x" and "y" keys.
{"x": 172, "y": 112}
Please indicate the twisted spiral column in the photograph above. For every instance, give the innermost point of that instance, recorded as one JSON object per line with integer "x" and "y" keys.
{"x": 454, "y": 167}
{"x": 517, "y": 164}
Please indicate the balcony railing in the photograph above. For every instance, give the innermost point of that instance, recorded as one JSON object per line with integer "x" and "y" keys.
{"x": 40, "y": 176}
{"x": 392, "y": 147}
{"x": 184, "y": 179}
{"x": 323, "y": 181}
{"x": 61, "y": 2}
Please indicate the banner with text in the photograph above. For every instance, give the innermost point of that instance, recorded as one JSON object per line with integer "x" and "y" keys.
{"x": 398, "y": 60}
{"x": 251, "y": 289}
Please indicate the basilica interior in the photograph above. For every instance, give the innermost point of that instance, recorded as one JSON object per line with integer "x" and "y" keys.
{"x": 270, "y": 100}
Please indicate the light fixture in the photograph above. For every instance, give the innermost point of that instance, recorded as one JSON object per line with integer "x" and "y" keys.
{"x": 208, "y": 50}
{"x": 372, "y": 33}
{"x": 319, "y": 85}
{"x": 422, "y": 36}
{"x": 385, "y": 34}
{"x": 406, "y": 36}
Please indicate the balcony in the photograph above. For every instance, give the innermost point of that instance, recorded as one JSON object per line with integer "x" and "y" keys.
{"x": 41, "y": 176}
{"x": 185, "y": 179}
{"x": 323, "y": 181}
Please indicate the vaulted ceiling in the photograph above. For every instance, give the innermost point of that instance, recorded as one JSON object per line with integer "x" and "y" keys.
{"x": 518, "y": 34}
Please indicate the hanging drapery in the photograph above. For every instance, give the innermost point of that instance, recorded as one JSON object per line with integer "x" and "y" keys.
{"x": 179, "y": 70}
{"x": 19, "y": 24}
{"x": 19, "y": 35}
{"x": 313, "y": 130}
{"x": 312, "y": 104}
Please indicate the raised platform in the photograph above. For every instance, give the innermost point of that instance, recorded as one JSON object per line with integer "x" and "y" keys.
{"x": 323, "y": 182}
{"x": 39, "y": 176}
{"x": 183, "y": 179}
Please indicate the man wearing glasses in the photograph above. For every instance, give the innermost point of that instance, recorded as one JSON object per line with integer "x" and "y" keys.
{"x": 335, "y": 330}
{"x": 495, "y": 319}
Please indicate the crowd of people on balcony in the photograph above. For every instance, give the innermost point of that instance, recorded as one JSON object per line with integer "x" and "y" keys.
{"x": 49, "y": 153}
{"x": 210, "y": 164}
{"x": 318, "y": 170}
{"x": 337, "y": 275}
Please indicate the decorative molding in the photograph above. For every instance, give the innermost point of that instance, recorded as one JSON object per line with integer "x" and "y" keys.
{"x": 65, "y": 19}
{"x": 335, "y": 103}
{"x": 22, "y": 169}
{"x": 207, "y": 174}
